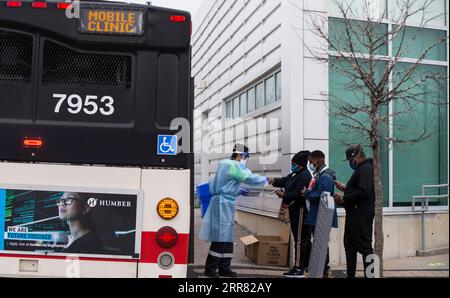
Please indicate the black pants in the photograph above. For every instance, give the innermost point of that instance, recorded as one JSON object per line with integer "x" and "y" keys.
{"x": 357, "y": 239}
{"x": 219, "y": 257}
{"x": 302, "y": 249}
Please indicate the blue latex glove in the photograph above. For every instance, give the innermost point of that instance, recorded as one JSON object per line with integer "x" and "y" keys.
{"x": 244, "y": 192}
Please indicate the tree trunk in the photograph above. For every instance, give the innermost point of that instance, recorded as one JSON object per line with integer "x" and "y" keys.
{"x": 379, "y": 235}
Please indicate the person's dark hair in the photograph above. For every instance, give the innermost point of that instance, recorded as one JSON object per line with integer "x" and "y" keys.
{"x": 301, "y": 158}
{"x": 239, "y": 148}
{"x": 317, "y": 154}
{"x": 84, "y": 198}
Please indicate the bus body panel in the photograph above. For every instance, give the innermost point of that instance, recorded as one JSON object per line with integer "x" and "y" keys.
{"x": 139, "y": 84}
{"x": 70, "y": 268}
{"x": 161, "y": 184}
{"x": 70, "y": 175}
{"x": 153, "y": 271}
{"x": 157, "y": 33}
{"x": 155, "y": 185}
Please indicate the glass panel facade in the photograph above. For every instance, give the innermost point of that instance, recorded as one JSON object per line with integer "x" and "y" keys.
{"x": 260, "y": 101}
{"x": 359, "y": 40}
{"x": 264, "y": 93}
{"x": 434, "y": 12}
{"x": 278, "y": 86}
{"x": 414, "y": 165}
{"x": 243, "y": 102}
{"x": 415, "y": 41}
{"x": 342, "y": 92}
{"x": 229, "y": 108}
{"x": 236, "y": 108}
{"x": 375, "y": 8}
{"x": 251, "y": 100}
{"x": 270, "y": 90}
{"x": 425, "y": 162}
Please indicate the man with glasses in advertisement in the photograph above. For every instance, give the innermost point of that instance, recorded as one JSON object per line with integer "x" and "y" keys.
{"x": 74, "y": 209}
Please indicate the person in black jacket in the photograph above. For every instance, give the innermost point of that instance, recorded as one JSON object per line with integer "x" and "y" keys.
{"x": 293, "y": 199}
{"x": 359, "y": 202}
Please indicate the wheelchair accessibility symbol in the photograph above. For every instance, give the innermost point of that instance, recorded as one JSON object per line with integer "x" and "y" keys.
{"x": 167, "y": 145}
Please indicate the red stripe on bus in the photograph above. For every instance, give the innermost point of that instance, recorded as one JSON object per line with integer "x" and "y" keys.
{"x": 150, "y": 250}
{"x": 64, "y": 258}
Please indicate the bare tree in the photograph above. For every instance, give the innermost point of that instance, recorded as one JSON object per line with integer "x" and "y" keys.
{"x": 370, "y": 56}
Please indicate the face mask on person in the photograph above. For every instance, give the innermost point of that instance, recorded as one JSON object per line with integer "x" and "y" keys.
{"x": 294, "y": 168}
{"x": 244, "y": 162}
{"x": 353, "y": 164}
{"x": 312, "y": 167}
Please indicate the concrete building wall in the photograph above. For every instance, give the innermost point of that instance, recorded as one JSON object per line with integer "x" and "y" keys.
{"x": 237, "y": 44}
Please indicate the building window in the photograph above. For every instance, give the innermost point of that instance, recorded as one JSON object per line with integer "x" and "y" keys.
{"x": 260, "y": 101}
{"x": 419, "y": 40}
{"x": 424, "y": 163}
{"x": 251, "y": 100}
{"x": 260, "y": 95}
{"x": 413, "y": 166}
{"x": 243, "y": 102}
{"x": 270, "y": 90}
{"x": 229, "y": 108}
{"x": 340, "y": 137}
{"x": 278, "y": 86}
{"x": 236, "y": 107}
{"x": 339, "y": 39}
{"x": 376, "y": 8}
{"x": 434, "y": 12}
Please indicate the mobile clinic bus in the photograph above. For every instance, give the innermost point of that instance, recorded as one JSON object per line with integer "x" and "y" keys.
{"x": 92, "y": 179}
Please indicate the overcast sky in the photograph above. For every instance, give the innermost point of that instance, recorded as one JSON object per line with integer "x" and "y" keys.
{"x": 189, "y": 5}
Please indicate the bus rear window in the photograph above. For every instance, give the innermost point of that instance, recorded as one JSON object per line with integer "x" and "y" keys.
{"x": 16, "y": 52}
{"x": 63, "y": 65}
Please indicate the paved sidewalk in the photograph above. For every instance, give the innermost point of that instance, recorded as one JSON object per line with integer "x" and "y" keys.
{"x": 436, "y": 266}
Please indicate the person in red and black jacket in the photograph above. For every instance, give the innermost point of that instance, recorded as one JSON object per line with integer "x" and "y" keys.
{"x": 292, "y": 197}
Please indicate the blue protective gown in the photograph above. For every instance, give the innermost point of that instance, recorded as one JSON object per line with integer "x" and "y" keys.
{"x": 218, "y": 222}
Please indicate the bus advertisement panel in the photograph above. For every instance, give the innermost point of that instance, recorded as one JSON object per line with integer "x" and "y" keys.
{"x": 69, "y": 222}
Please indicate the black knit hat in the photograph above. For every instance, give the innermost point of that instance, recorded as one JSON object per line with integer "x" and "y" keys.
{"x": 301, "y": 158}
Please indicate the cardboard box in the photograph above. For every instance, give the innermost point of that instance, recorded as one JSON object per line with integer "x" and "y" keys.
{"x": 266, "y": 250}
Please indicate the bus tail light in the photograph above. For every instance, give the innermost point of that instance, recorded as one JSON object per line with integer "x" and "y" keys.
{"x": 63, "y": 5}
{"x": 14, "y": 4}
{"x": 167, "y": 237}
{"x": 39, "y": 5}
{"x": 36, "y": 143}
{"x": 178, "y": 19}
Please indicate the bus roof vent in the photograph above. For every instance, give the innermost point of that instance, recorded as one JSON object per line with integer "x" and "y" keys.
{"x": 16, "y": 52}
{"x": 63, "y": 65}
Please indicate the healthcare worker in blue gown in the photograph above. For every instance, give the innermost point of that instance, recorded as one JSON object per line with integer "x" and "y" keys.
{"x": 218, "y": 222}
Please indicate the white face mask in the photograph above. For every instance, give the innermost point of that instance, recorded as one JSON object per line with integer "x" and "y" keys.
{"x": 244, "y": 162}
{"x": 312, "y": 167}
